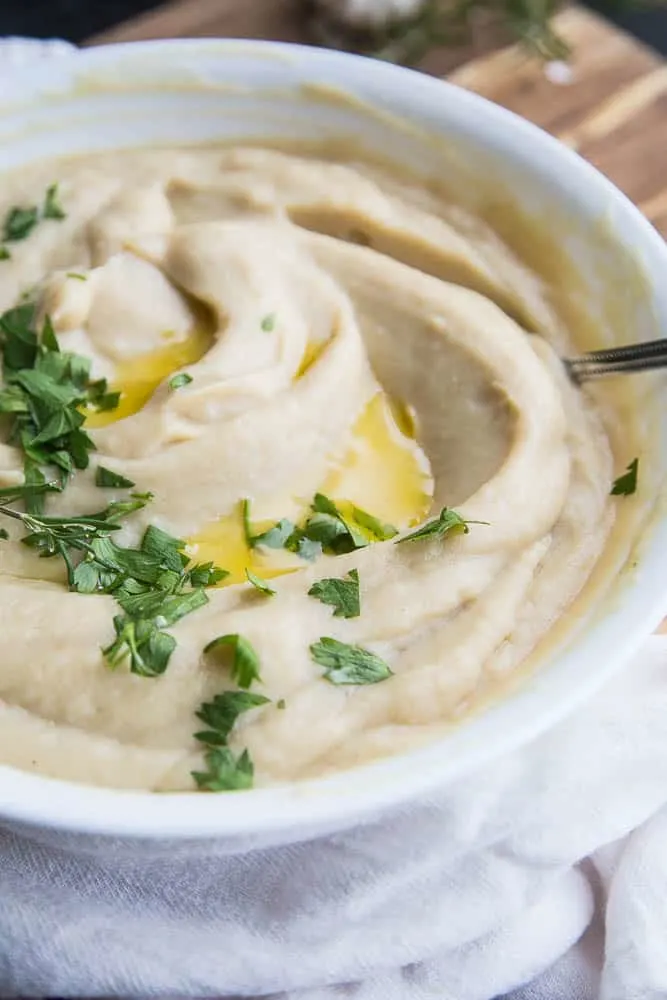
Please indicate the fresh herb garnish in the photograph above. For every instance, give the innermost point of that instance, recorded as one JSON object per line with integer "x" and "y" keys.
{"x": 205, "y": 575}
{"x": 149, "y": 649}
{"x": 341, "y": 594}
{"x": 225, "y": 772}
{"x": 626, "y": 484}
{"x": 302, "y": 546}
{"x": 244, "y": 667}
{"x": 326, "y": 529}
{"x": 281, "y": 703}
{"x": 347, "y": 664}
{"x": 44, "y": 394}
{"x": 448, "y": 522}
{"x": 338, "y": 532}
{"x": 269, "y": 322}
{"x": 259, "y": 584}
{"x": 179, "y": 380}
{"x": 274, "y": 537}
{"x": 19, "y": 223}
{"x": 60, "y": 536}
{"x": 220, "y": 715}
{"x": 76, "y": 276}
{"x": 152, "y": 591}
{"x": 52, "y": 209}
{"x": 380, "y": 531}
{"x": 109, "y": 478}
{"x": 153, "y": 584}
{"x": 328, "y": 526}
{"x": 5, "y": 254}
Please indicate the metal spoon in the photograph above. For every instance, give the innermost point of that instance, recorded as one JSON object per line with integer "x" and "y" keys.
{"x": 633, "y": 358}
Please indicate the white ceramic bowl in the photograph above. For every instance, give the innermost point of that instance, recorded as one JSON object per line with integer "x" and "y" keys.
{"x": 193, "y": 91}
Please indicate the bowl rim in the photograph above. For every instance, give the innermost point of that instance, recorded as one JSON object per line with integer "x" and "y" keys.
{"x": 347, "y": 797}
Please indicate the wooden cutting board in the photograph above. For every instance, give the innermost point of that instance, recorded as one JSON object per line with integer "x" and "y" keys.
{"x": 614, "y": 110}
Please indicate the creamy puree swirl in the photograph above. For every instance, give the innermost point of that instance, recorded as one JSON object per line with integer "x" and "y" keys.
{"x": 372, "y": 285}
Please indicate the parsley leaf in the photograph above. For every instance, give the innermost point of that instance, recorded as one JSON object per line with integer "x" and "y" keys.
{"x": 45, "y": 391}
{"x": 52, "y": 209}
{"x": 326, "y": 529}
{"x": 268, "y": 323}
{"x": 347, "y": 664}
{"x": 108, "y": 478}
{"x": 225, "y": 772}
{"x": 18, "y": 338}
{"x": 274, "y": 537}
{"x": 379, "y": 530}
{"x": 342, "y": 595}
{"x": 19, "y": 223}
{"x": 304, "y": 547}
{"x": 339, "y": 533}
{"x": 245, "y": 663}
{"x": 626, "y": 484}
{"x": 205, "y": 575}
{"x": 165, "y": 547}
{"x": 179, "y": 380}
{"x": 447, "y": 523}
{"x": 148, "y": 647}
{"x": 221, "y": 714}
{"x": 259, "y": 584}
{"x": 5, "y": 254}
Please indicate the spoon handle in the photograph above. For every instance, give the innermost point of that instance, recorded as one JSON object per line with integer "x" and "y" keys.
{"x": 633, "y": 358}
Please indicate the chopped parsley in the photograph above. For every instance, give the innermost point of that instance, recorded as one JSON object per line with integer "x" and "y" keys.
{"x": 347, "y": 664}
{"x": 448, "y": 522}
{"x": 268, "y": 324}
{"x": 259, "y": 584}
{"x": 148, "y": 648}
{"x": 244, "y": 667}
{"x": 52, "y": 209}
{"x": 154, "y": 585}
{"x": 179, "y": 380}
{"x": 341, "y": 594}
{"x": 109, "y": 478}
{"x": 76, "y": 276}
{"x": 20, "y": 221}
{"x": 626, "y": 484}
{"x": 220, "y": 715}
{"x": 225, "y": 772}
{"x": 274, "y": 537}
{"x": 327, "y": 529}
{"x": 45, "y": 393}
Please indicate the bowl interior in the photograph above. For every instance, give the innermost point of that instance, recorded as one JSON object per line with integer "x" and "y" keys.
{"x": 194, "y": 92}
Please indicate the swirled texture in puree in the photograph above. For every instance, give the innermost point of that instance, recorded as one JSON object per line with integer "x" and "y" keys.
{"x": 371, "y": 284}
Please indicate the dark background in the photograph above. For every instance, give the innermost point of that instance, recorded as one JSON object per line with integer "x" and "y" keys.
{"x": 75, "y": 20}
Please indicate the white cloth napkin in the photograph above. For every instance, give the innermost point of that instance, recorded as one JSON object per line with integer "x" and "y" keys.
{"x": 500, "y": 881}
{"x": 546, "y": 875}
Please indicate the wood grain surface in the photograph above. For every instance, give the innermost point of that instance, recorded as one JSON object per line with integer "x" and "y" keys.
{"x": 614, "y": 110}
